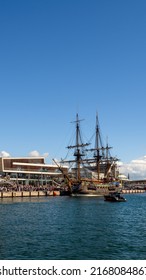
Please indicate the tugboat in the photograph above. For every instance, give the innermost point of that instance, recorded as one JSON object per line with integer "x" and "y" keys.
{"x": 114, "y": 197}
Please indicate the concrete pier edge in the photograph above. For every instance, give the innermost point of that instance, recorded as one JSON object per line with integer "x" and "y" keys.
{"x": 28, "y": 194}
{"x": 48, "y": 193}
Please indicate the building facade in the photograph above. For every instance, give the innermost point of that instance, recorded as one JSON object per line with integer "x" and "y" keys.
{"x": 29, "y": 171}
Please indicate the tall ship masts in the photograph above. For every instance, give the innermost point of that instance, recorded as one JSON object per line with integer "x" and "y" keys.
{"x": 98, "y": 147}
{"x": 90, "y": 175}
{"x": 79, "y": 145}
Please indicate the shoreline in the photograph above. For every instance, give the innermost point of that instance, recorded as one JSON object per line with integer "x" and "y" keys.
{"x": 133, "y": 191}
{"x": 12, "y": 194}
{"x": 28, "y": 194}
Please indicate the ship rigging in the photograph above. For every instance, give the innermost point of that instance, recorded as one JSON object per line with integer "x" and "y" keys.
{"x": 92, "y": 174}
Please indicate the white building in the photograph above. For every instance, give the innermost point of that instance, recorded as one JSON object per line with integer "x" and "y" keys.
{"x": 29, "y": 170}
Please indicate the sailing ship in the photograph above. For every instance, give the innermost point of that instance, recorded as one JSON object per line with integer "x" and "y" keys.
{"x": 93, "y": 170}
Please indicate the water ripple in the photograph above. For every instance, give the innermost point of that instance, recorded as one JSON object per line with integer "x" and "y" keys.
{"x": 73, "y": 228}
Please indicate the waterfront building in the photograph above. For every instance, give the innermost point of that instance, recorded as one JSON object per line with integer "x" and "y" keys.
{"x": 29, "y": 171}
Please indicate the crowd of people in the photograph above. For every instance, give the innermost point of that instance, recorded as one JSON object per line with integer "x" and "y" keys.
{"x": 19, "y": 187}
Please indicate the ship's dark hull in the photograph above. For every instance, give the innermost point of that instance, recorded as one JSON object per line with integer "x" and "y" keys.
{"x": 114, "y": 197}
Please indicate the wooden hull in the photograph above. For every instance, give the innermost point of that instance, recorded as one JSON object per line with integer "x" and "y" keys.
{"x": 88, "y": 190}
{"x": 89, "y": 194}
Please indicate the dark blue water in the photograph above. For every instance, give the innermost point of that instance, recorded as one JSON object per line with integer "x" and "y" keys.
{"x": 73, "y": 228}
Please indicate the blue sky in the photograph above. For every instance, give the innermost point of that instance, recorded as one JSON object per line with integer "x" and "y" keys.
{"x": 62, "y": 57}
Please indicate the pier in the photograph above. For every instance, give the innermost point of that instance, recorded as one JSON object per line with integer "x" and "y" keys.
{"x": 11, "y": 194}
{"x": 28, "y": 194}
{"x": 126, "y": 191}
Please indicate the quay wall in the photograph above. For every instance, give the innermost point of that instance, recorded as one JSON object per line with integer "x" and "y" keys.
{"x": 48, "y": 193}
{"x": 28, "y": 193}
{"x": 133, "y": 191}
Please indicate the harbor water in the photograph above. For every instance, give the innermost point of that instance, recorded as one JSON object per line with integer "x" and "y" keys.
{"x": 71, "y": 228}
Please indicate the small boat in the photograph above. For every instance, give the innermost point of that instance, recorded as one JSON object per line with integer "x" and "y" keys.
{"x": 114, "y": 197}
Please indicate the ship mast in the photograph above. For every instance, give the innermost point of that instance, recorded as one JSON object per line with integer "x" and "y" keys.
{"x": 99, "y": 149}
{"x": 109, "y": 161}
{"x": 101, "y": 154}
{"x": 97, "y": 155}
{"x": 77, "y": 152}
{"x": 101, "y": 157}
{"x": 78, "y": 149}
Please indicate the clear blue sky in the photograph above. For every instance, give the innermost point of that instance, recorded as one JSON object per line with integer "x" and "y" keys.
{"x": 60, "y": 57}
